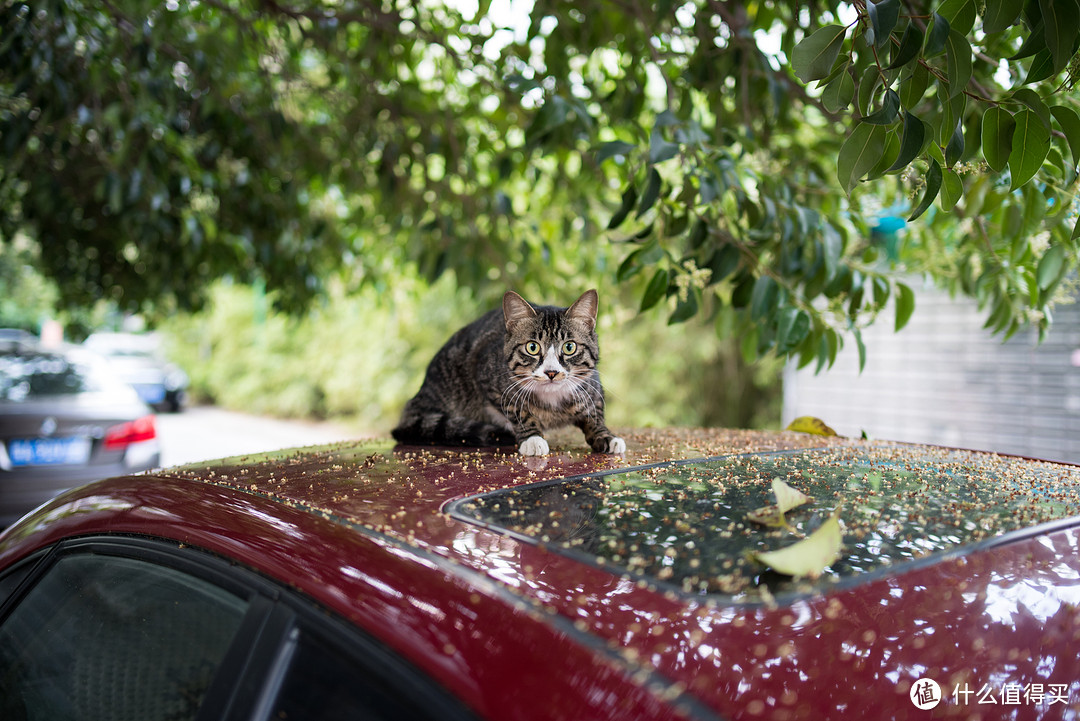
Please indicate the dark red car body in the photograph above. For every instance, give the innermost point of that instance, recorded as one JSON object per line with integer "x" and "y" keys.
{"x": 520, "y": 630}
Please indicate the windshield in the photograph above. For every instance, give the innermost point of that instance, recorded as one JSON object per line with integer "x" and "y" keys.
{"x": 689, "y": 525}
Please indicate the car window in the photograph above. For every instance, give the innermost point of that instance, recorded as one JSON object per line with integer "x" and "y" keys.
{"x": 27, "y": 376}
{"x": 326, "y": 683}
{"x": 688, "y": 525}
{"x": 338, "y": 673}
{"x": 105, "y": 637}
{"x": 11, "y": 579}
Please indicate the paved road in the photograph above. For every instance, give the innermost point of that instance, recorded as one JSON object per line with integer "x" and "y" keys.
{"x": 204, "y": 433}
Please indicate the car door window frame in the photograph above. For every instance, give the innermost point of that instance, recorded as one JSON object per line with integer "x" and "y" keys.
{"x": 253, "y": 670}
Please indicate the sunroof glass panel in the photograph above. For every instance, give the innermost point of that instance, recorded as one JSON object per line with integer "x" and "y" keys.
{"x": 688, "y": 525}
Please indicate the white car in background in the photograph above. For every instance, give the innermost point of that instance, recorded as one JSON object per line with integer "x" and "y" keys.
{"x": 138, "y": 359}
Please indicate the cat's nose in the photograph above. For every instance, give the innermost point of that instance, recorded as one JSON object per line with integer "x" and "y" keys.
{"x": 551, "y": 374}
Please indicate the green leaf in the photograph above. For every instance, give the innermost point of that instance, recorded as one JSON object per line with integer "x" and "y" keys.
{"x": 763, "y": 299}
{"x": 861, "y": 346}
{"x": 997, "y": 136}
{"x": 958, "y": 62}
{"x": 883, "y": 16}
{"x": 1051, "y": 266}
{"x": 905, "y": 306}
{"x": 613, "y": 149}
{"x": 1034, "y": 102}
{"x": 813, "y": 57}
{"x": 1061, "y": 18}
{"x": 1034, "y": 44}
{"x": 933, "y": 185}
{"x": 1042, "y": 67}
{"x": 629, "y": 199}
{"x": 640, "y": 259}
{"x": 1001, "y": 15}
{"x": 955, "y": 149}
{"x": 698, "y": 234}
{"x": 868, "y": 85}
{"x": 952, "y": 189}
{"x": 792, "y": 325}
{"x": 939, "y": 35}
{"x": 859, "y": 154}
{"x": 1069, "y": 121}
{"x": 832, "y": 247}
{"x": 838, "y": 93}
{"x": 684, "y": 309}
{"x": 667, "y": 119}
{"x": 886, "y": 115}
{"x": 934, "y": 151}
{"x": 911, "y": 144}
{"x": 960, "y": 14}
{"x": 554, "y": 113}
{"x": 724, "y": 261}
{"x": 652, "y": 192}
{"x": 1031, "y": 143}
{"x": 655, "y": 291}
{"x": 910, "y": 45}
{"x": 913, "y": 86}
{"x": 629, "y": 267}
{"x": 660, "y": 149}
{"x": 808, "y": 557}
{"x": 827, "y": 350}
{"x": 889, "y": 154}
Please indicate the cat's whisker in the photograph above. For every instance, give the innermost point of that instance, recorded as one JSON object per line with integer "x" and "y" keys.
{"x": 580, "y": 393}
{"x": 519, "y": 391}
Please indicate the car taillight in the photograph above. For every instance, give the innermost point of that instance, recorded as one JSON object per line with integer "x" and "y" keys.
{"x": 124, "y": 434}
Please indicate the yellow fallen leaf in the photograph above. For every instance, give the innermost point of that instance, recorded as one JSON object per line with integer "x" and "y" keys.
{"x": 786, "y": 499}
{"x": 811, "y": 425}
{"x": 767, "y": 516}
{"x": 808, "y": 557}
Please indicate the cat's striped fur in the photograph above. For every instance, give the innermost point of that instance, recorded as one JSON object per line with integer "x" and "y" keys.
{"x": 511, "y": 375}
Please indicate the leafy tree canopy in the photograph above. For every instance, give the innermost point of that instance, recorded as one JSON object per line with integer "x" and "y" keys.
{"x": 781, "y": 167}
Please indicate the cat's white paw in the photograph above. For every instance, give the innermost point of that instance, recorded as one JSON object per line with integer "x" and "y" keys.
{"x": 616, "y": 446}
{"x": 533, "y": 446}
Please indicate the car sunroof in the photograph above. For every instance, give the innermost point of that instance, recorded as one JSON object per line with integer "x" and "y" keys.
{"x": 688, "y": 525}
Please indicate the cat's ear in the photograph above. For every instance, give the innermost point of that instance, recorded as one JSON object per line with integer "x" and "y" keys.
{"x": 516, "y": 309}
{"x": 584, "y": 309}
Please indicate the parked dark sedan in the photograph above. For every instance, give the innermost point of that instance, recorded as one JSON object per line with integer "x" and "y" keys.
{"x": 65, "y": 421}
{"x": 372, "y": 581}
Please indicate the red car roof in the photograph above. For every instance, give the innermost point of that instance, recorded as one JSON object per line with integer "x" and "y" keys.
{"x": 522, "y": 629}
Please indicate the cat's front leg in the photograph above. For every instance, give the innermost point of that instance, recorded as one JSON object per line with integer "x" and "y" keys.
{"x": 599, "y": 438}
{"x": 529, "y": 437}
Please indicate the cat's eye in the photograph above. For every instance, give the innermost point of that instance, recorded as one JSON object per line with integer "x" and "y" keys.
{"x": 532, "y": 348}
{"x": 569, "y": 347}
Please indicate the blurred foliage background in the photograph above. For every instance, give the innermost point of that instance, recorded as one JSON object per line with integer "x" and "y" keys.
{"x": 360, "y": 356}
{"x": 310, "y": 196}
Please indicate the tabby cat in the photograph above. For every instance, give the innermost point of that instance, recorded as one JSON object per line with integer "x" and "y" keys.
{"x": 511, "y": 375}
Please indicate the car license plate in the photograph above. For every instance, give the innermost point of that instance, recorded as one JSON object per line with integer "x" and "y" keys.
{"x": 151, "y": 394}
{"x": 49, "y": 451}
